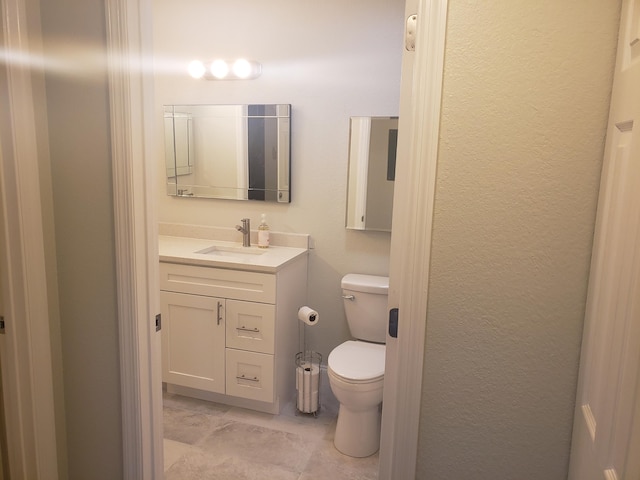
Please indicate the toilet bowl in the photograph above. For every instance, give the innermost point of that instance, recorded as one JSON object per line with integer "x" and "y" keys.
{"x": 356, "y": 377}
{"x": 356, "y": 367}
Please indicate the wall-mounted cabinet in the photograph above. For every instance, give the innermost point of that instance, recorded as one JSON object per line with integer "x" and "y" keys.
{"x": 231, "y": 335}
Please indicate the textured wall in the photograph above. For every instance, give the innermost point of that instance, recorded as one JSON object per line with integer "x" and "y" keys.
{"x": 330, "y": 61}
{"x": 524, "y": 111}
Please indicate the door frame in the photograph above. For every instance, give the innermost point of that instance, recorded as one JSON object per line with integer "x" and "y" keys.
{"x": 129, "y": 30}
{"x": 419, "y": 130}
{"x": 129, "y": 53}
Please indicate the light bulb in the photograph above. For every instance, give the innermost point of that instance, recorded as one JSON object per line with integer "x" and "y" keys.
{"x": 219, "y": 69}
{"x": 196, "y": 69}
{"x": 242, "y": 68}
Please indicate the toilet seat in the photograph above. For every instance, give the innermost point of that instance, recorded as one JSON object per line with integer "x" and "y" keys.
{"x": 357, "y": 362}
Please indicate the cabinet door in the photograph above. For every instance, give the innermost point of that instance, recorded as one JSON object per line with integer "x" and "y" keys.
{"x": 251, "y": 326}
{"x": 193, "y": 343}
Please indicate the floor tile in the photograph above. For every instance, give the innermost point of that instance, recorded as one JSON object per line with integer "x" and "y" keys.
{"x": 198, "y": 465}
{"x": 194, "y": 404}
{"x": 327, "y": 462}
{"x": 187, "y": 426}
{"x": 301, "y": 424}
{"x": 261, "y": 445}
{"x": 205, "y": 440}
{"x": 173, "y": 451}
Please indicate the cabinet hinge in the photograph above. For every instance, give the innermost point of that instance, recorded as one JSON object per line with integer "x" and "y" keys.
{"x": 1, "y": 325}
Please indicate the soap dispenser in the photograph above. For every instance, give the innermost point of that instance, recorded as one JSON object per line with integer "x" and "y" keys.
{"x": 263, "y": 232}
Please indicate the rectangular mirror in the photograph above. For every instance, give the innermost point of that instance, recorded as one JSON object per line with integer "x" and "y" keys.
{"x": 372, "y": 168}
{"x": 236, "y": 152}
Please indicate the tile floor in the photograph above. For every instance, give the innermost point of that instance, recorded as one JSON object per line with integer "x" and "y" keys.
{"x": 204, "y": 440}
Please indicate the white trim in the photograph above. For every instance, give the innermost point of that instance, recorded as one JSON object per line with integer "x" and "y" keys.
{"x": 411, "y": 244}
{"x": 412, "y": 229}
{"x": 128, "y": 38}
{"x": 242, "y": 158}
{"x": 361, "y": 130}
{"x": 26, "y": 349}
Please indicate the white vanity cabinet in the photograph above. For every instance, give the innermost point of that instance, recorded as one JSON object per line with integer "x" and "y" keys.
{"x": 231, "y": 335}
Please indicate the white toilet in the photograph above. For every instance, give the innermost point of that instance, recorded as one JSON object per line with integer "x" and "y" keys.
{"x": 356, "y": 367}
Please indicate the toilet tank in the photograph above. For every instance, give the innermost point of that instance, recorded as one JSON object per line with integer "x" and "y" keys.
{"x": 365, "y": 304}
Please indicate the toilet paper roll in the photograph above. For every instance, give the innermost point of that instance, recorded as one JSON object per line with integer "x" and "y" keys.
{"x": 308, "y": 315}
{"x": 307, "y": 382}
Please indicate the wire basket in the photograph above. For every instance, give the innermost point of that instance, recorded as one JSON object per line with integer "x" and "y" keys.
{"x": 308, "y": 381}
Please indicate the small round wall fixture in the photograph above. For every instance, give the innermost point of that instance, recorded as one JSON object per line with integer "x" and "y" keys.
{"x": 219, "y": 69}
{"x": 196, "y": 69}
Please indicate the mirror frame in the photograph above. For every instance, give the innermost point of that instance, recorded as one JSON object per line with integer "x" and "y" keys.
{"x": 372, "y": 162}
{"x": 256, "y": 160}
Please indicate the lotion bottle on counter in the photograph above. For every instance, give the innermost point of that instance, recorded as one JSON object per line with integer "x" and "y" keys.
{"x": 263, "y": 233}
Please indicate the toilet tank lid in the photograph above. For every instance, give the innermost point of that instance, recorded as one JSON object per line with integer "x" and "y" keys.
{"x": 365, "y": 283}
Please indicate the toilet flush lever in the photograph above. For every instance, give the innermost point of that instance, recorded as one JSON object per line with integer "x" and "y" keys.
{"x": 348, "y": 297}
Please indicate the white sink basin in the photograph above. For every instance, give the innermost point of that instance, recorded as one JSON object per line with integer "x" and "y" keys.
{"x": 211, "y": 252}
{"x": 224, "y": 251}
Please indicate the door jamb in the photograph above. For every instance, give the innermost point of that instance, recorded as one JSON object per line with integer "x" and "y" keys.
{"x": 411, "y": 243}
{"x": 131, "y": 104}
{"x": 129, "y": 47}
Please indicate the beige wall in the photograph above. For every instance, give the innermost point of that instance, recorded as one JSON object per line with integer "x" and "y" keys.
{"x": 330, "y": 61}
{"x": 48, "y": 230}
{"x": 79, "y": 146}
{"x": 525, "y": 104}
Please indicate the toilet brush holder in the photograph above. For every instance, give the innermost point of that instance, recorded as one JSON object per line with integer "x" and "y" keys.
{"x": 308, "y": 381}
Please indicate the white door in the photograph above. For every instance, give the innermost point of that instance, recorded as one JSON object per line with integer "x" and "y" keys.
{"x": 606, "y": 436}
{"x": 418, "y": 133}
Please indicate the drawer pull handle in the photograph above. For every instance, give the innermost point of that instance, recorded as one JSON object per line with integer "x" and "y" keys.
{"x": 242, "y": 377}
{"x": 349, "y": 297}
{"x": 219, "y": 309}
{"x": 244, "y": 329}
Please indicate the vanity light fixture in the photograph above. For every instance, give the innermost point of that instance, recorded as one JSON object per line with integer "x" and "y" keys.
{"x": 197, "y": 69}
{"x": 240, "y": 69}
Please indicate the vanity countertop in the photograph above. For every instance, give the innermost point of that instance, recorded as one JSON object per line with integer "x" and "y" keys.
{"x": 230, "y": 255}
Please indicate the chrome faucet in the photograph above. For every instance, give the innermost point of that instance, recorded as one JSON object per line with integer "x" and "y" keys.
{"x": 246, "y": 232}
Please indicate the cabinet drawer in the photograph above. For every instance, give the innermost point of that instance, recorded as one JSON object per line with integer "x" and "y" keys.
{"x": 249, "y": 375}
{"x": 251, "y": 326}
{"x": 218, "y": 282}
